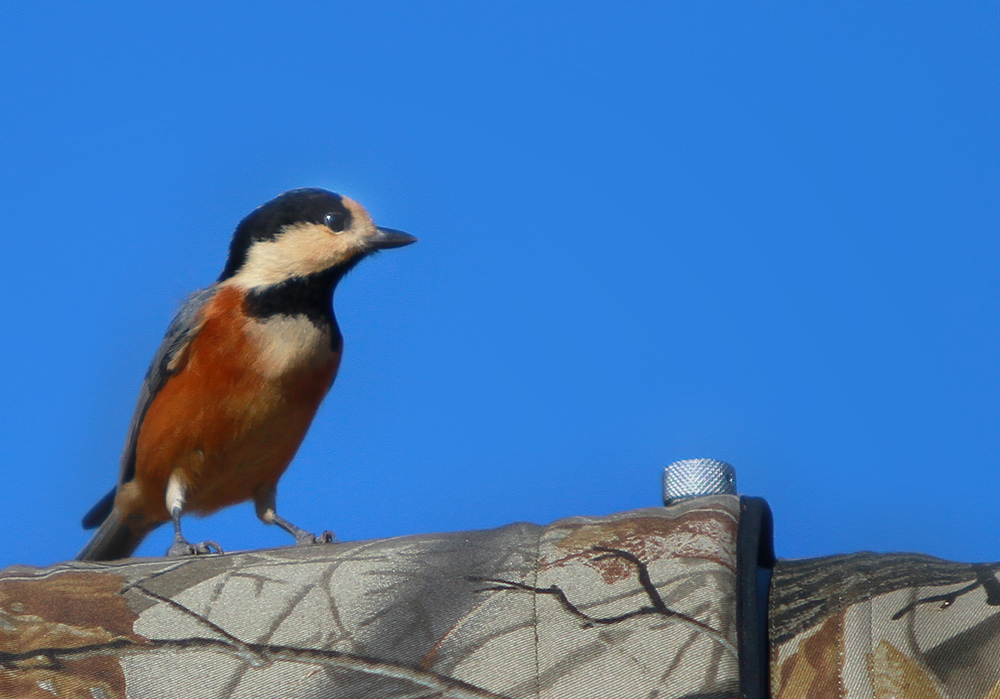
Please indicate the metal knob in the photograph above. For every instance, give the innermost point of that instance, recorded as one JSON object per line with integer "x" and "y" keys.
{"x": 693, "y": 478}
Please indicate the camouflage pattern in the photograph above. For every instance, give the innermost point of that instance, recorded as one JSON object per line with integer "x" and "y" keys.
{"x": 640, "y": 604}
{"x": 898, "y": 626}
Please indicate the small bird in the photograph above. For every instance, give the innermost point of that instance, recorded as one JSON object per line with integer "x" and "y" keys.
{"x": 239, "y": 376}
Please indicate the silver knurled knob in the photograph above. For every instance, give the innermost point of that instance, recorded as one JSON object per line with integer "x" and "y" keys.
{"x": 693, "y": 478}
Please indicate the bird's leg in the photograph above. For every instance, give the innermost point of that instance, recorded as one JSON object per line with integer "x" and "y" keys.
{"x": 264, "y": 501}
{"x": 176, "y": 495}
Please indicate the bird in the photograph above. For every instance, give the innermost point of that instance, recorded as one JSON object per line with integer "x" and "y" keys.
{"x": 235, "y": 383}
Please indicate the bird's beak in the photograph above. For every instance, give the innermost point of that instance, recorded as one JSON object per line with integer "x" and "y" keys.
{"x": 389, "y": 238}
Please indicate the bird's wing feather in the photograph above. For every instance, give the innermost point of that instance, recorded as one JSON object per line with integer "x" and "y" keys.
{"x": 167, "y": 360}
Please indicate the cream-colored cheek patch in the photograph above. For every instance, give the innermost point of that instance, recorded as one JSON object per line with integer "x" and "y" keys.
{"x": 300, "y": 250}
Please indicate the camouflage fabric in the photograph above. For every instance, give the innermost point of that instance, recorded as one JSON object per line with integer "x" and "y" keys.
{"x": 640, "y": 604}
{"x": 900, "y": 626}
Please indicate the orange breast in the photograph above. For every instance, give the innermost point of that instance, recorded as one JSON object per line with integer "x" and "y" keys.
{"x": 227, "y": 422}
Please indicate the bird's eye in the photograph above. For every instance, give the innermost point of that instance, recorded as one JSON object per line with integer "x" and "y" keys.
{"x": 334, "y": 221}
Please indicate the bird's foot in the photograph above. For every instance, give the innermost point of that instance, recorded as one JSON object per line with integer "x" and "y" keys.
{"x": 304, "y": 538}
{"x": 186, "y": 548}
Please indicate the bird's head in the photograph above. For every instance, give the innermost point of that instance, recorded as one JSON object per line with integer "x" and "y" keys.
{"x": 303, "y": 233}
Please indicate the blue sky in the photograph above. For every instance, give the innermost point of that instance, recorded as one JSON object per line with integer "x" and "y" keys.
{"x": 765, "y": 233}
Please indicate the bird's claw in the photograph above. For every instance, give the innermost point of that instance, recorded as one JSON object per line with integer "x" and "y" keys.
{"x": 307, "y": 539}
{"x": 186, "y": 548}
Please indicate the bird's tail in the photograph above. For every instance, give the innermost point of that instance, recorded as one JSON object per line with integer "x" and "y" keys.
{"x": 114, "y": 539}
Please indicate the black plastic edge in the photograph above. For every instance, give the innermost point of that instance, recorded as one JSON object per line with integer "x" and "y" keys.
{"x": 754, "y": 562}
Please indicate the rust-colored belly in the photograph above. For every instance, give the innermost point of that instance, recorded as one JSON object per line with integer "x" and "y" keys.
{"x": 225, "y": 422}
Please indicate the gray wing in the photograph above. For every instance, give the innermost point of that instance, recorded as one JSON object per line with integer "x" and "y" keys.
{"x": 182, "y": 330}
